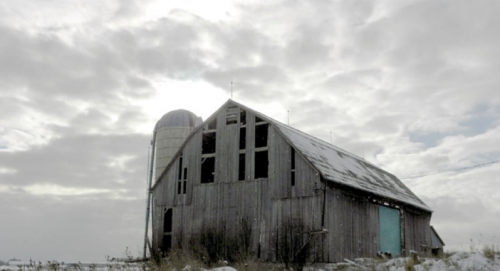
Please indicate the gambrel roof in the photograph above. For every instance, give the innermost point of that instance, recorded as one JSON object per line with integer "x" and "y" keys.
{"x": 339, "y": 166}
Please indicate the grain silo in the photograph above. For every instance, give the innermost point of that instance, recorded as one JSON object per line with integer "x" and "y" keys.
{"x": 168, "y": 136}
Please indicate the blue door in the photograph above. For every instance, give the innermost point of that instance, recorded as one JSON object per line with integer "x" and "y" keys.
{"x": 390, "y": 230}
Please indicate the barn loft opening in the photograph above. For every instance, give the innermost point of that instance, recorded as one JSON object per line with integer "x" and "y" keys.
{"x": 243, "y": 138}
{"x": 232, "y": 115}
{"x": 261, "y": 164}
{"x": 207, "y": 169}
{"x": 208, "y": 145}
{"x": 261, "y": 135}
{"x": 241, "y": 169}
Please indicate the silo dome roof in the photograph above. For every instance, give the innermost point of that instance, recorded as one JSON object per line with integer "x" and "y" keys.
{"x": 178, "y": 118}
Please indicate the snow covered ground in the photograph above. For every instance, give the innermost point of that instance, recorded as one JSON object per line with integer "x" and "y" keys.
{"x": 461, "y": 261}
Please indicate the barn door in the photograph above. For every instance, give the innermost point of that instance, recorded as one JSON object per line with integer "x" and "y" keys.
{"x": 389, "y": 230}
{"x": 167, "y": 231}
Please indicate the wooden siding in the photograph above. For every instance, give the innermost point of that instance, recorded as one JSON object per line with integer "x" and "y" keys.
{"x": 265, "y": 202}
{"x": 417, "y": 231}
{"x": 353, "y": 226}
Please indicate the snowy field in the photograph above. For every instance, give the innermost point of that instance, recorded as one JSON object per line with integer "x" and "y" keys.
{"x": 462, "y": 261}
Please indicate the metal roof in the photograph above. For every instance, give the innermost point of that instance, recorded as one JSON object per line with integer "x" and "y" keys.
{"x": 178, "y": 118}
{"x": 339, "y": 166}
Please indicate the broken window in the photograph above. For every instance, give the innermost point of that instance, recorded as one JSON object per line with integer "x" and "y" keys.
{"x": 261, "y": 135}
{"x": 243, "y": 117}
{"x": 243, "y": 138}
{"x": 232, "y": 115}
{"x": 292, "y": 165}
{"x": 208, "y": 145}
{"x": 213, "y": 124}
{"x": 261, "y": 164}
{"x": 207, "y": 169}
{"x": 241, "y": 171}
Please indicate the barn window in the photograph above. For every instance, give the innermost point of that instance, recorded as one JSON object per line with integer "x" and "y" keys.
{"x": 243, "y": 117}
{"x": 179, "y": 182}
{"x": 232, "y": 115}
{"x": 213, "y": 124}
{"x": 261, "y": 135}
{"x": 182, "y": 183}
{"x": 208, "y": 145}
{"x": 207, "y": 169}
{"x": 261, "y": 164}
{"x": 241, "y": 171}
{"x": 243, "y": 138}
{"x": 292, "y": 165}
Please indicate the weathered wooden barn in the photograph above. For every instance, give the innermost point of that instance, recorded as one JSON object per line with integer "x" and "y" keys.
{"x": 240, "y": 165}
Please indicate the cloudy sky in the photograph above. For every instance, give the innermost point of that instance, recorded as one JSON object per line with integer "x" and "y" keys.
{"x": 412, "y": 86}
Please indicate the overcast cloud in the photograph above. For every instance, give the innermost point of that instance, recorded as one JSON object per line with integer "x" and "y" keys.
{"x": 410, "y": 86}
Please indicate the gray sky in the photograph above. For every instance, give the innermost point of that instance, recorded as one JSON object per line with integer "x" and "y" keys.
{"x": 412, "y": 86}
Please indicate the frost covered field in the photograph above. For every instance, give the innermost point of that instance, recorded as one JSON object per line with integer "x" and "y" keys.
{"x": 461, "y": 261}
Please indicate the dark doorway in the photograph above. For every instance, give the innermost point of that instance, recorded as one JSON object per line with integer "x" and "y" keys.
{"x": 167, "y": 231}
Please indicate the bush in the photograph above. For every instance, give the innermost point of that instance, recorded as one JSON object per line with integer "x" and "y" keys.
{"x": 213, "y": 245}
{"x": 291, "y": 248}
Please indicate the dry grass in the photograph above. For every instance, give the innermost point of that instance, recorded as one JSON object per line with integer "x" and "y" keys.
{"x": 489, "y": 251}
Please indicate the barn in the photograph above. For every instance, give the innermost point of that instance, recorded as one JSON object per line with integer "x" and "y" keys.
{"x": 240, "y": 169}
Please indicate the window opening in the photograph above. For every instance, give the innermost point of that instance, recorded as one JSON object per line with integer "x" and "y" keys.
{"x": 261, "y": 164}
{"x": 207, "y": 169}
{"x": 179, "y": 182}
{"x": 241, "y": 171}
{"x": 243, "y": 117}
{"x": 213, "y": 124}
{"x": 232, "y": 115}
{"x": 261, "y": 135}
{"x": 180, "y": 168}
{"x": 258, "y": 119}
{"x": 292, "y": 165}
{"x": 208, "y": 145}
{"x": 184, "y": 182}
{"x": 243, "y": 138}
